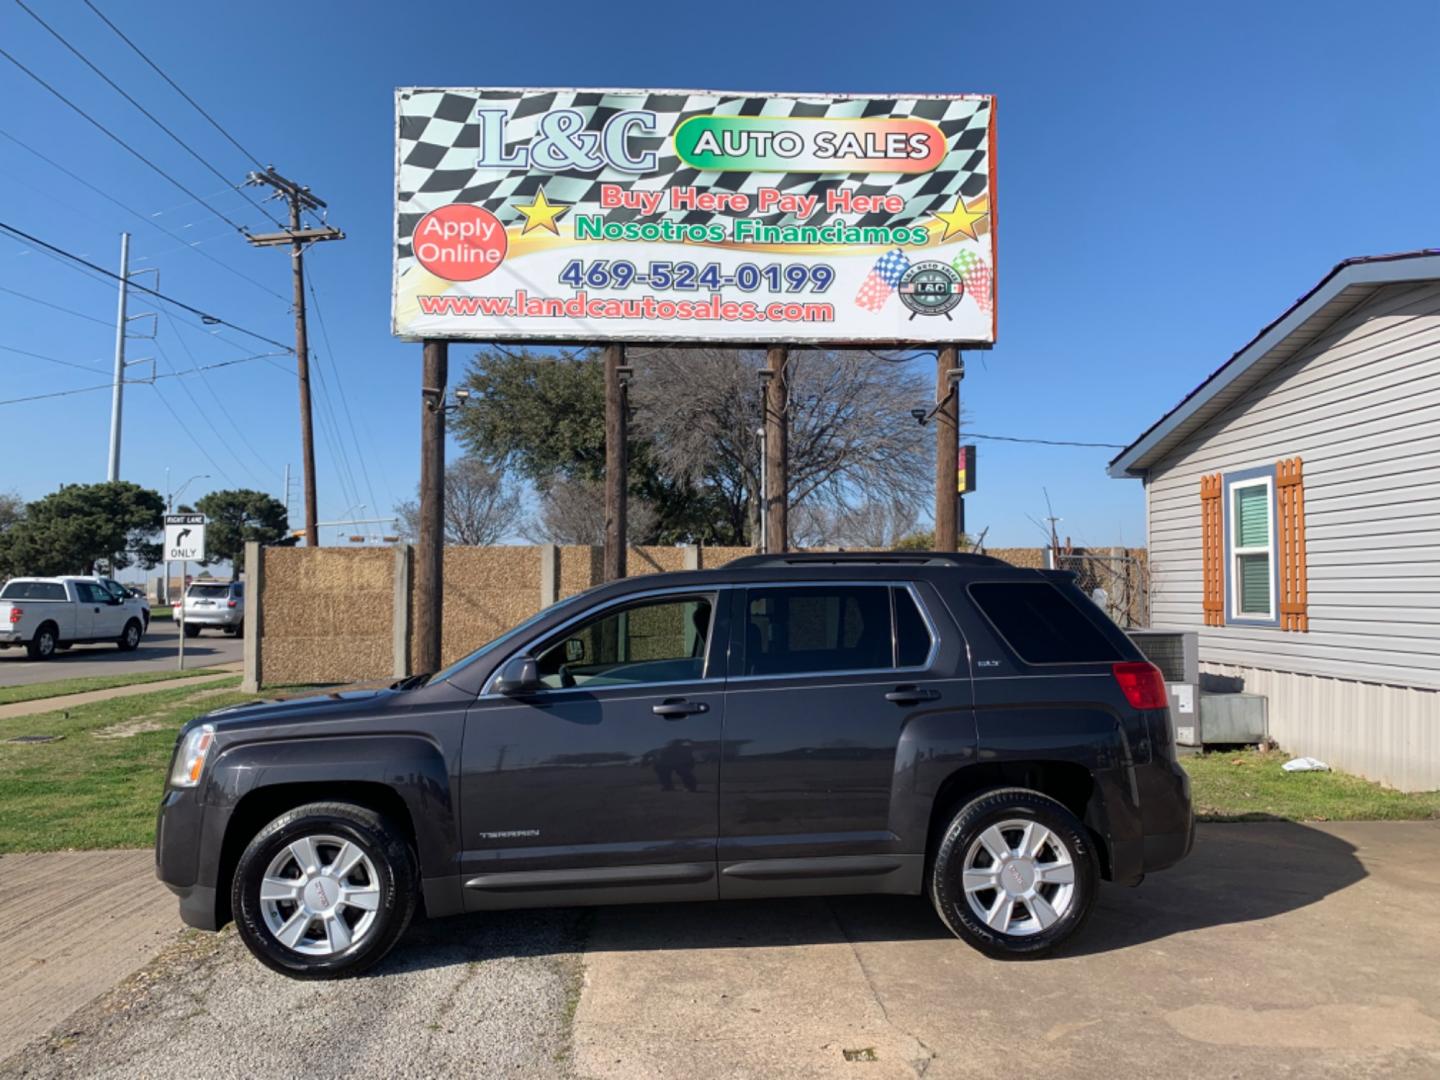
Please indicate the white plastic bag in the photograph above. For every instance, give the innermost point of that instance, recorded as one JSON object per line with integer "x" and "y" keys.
{"x": 1305, "y": 764}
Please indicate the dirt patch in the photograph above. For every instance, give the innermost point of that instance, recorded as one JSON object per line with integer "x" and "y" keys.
{"x": 140, "y": 725}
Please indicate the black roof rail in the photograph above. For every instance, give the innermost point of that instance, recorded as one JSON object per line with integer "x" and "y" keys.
{"x": 875, "y": 558}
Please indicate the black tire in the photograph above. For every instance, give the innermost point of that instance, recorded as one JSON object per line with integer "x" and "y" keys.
{"x": 129, "y": 639}
{"x": 191, "y": 631}
{"x": 397, "y": 879}
{"x": 1019, "y": 805}
{"x": 43, "y": 645}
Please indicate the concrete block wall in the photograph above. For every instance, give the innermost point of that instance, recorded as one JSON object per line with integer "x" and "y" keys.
{"x": 337, "y": 615}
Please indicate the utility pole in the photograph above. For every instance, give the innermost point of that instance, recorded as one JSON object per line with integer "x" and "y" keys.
{"x": 777, "y": 449}
{"x": 617, "y": 376}
{"x": 760, "y": 509}
{"x": 430, "y": 544}
{"x": 299, "y": 199}
{"x": 117, "y": 395}
{"x": 949, "y": 370}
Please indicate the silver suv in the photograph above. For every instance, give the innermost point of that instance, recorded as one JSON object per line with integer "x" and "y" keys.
{"x": 219, "y": 605}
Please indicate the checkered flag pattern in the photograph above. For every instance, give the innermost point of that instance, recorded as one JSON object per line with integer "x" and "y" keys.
{"x": 439, "y": 138}
{"x": 881, "y": 281}
{"x": 976, "y": 275}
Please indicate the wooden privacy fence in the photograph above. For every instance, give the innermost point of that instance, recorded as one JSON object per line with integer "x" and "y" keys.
{"x": 338, "y": 615}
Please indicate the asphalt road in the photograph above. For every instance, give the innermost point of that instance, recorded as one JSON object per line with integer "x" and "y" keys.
{"x": 156, "y": 653}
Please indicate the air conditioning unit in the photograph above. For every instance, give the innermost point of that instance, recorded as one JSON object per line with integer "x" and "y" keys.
{"x": 1177, "y": 654}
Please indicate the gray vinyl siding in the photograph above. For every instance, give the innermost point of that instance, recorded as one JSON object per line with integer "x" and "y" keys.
{"x": 1361, "y": 406}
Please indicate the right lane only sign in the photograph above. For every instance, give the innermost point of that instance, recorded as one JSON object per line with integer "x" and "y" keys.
{"x": 184, "y": 537}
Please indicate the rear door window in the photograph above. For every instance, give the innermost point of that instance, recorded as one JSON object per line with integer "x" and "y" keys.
{"x": 794, "y": 630}
{"x": 1041, "y": 624}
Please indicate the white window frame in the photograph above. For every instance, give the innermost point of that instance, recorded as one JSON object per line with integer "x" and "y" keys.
{"x": 1268, "y": 549}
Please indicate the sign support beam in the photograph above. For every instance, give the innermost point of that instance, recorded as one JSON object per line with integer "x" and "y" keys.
{"x": 948, "y": 373}
{"x": 616, "y": 463}
{"x": 777, "y": 451}
{"x": 430, "y": 545}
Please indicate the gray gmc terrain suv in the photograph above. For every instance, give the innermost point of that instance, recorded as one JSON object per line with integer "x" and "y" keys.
{"x": 785, "y": 726}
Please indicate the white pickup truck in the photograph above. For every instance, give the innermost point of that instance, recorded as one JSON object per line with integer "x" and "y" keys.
{"x": 46, "y": 614}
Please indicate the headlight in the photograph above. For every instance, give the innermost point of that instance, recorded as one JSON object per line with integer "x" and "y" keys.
{"x": 190, "y": 760}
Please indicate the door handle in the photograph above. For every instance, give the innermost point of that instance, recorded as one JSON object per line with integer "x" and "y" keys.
{"x": 675, "y": 708}
{"x": 911, "y": 695}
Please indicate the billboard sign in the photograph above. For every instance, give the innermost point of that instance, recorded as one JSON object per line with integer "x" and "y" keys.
{"x": 603, "y": 215}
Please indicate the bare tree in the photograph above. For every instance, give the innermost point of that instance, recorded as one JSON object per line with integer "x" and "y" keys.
{"x": 481, "y": 508}
{"x": 852, "y": 440}
{"x": 874, "y": 523}
{"x": 572, "y": 511}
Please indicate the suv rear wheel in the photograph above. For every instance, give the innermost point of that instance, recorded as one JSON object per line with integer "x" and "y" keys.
{"x": 325, "y": 890}
{"x": 1015, "y": 874}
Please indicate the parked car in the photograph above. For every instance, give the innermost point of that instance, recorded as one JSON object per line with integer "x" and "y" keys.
{"x": 219, "y": 605}
{"x": 945, "y": 725}
{"x": 49, "y": 614}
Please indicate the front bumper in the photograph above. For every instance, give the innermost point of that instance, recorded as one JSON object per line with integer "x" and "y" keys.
{"x": 179, "y": 836}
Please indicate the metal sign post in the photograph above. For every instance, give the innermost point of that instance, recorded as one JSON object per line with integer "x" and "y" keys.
{"x": 184, "y": 540}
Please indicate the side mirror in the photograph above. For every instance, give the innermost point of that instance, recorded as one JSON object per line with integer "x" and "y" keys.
{"x": 519, "y": 675}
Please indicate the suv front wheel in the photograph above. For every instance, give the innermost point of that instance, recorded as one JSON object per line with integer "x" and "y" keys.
{"x": 324, "y": 890}
{"x": 1015, "y": 874}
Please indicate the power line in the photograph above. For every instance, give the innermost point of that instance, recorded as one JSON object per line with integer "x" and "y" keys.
{"x": 57, "y": 307}
{"x": 205, "y": 379}
{"x": 156, "y": 67}
{"x": 1043, "y": 442}
{"x": 148, "y": 114}
{"x": 198, "y": 444}
{"x": 60, "y": 393}
{"x": 205, "y": 317}
{"x": 51, "y": 359}
{"x": 148, "y": 219}
{"x": 238, "y": 228}
{"x": 344, "y": 398}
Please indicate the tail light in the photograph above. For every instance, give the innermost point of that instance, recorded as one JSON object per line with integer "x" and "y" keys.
{"x": 1142, "y": 684}
{"x": 16, "y": 614}
{"x": 231, "y": 604}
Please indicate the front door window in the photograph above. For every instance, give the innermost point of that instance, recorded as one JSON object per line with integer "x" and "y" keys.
{"x": 654, "y": 641}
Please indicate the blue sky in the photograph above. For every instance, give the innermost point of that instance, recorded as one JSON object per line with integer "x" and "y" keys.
{"x": 1169, "y": 180}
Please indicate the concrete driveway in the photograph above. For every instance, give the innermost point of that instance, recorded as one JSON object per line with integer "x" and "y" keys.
{"x": 1276, "y": 949}
{"x": 156, "y": 653}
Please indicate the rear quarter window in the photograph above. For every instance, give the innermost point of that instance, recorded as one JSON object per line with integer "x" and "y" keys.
{"x": 1041, "y": 624}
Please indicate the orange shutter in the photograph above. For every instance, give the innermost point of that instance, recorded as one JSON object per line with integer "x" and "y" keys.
{"x": 1212, "y": 548}
{"x": 1290, "y": 497}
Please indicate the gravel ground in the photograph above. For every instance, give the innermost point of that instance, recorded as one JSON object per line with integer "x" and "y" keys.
{"x": 489, "y": 995}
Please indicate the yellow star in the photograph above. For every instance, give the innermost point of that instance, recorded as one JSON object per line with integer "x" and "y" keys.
{"x": 541, "y": 213}
{"x": 961, "y": 218}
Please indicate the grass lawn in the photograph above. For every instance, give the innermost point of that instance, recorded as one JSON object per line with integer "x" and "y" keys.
{"x": 9, "y": 695}
{"x": 160, "y": 613}
{"x": 99, "y": 786}
{"x": 1249, "y": 785}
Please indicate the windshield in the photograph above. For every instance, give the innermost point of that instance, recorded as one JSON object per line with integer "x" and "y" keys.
{"x": 504, "y": 639}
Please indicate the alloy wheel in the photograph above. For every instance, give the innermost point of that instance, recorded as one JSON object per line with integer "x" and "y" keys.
{"x": 319, "y": 895}
{"x": 1019, "y": 877}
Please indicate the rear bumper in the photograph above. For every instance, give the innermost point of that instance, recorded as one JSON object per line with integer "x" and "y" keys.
{"x": 9, "y": 637}
{"x": 225, "y": 617}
